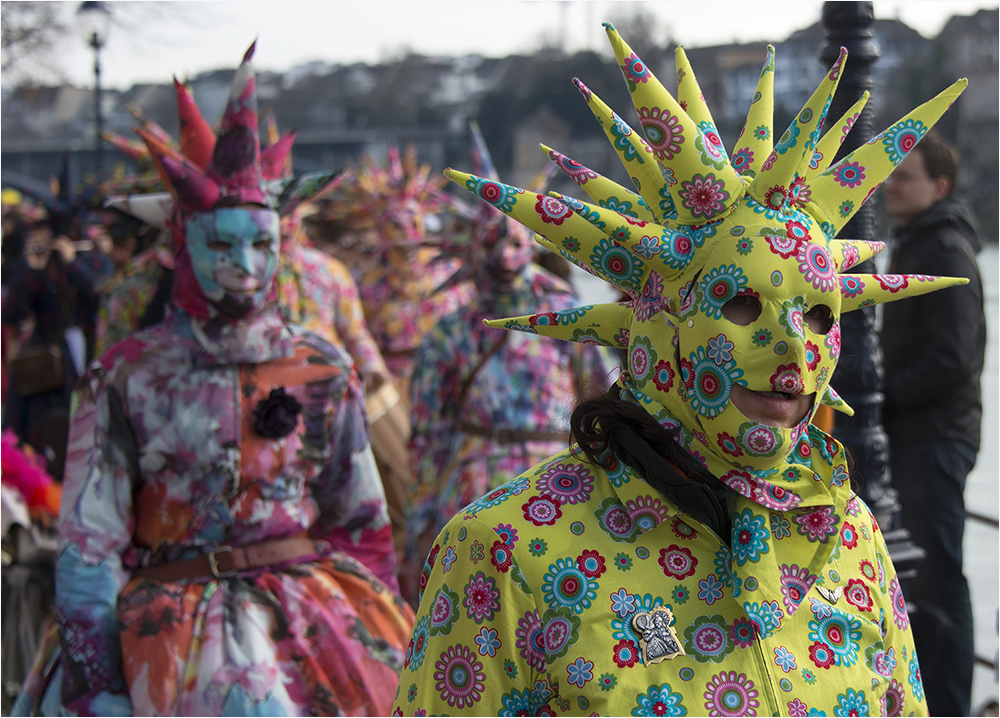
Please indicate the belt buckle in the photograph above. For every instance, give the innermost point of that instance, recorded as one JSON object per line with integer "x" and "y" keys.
{"x": 213, "y": 562}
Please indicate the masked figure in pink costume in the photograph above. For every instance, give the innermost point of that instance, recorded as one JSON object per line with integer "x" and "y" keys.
{"x": 314, "y": 290}
{"x": 487, "y": 404}
{"x": 397, "y": 292}
{"x": 224, "y": 543}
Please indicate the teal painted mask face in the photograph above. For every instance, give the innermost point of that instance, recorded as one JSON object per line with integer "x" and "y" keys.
{"x": 234, "y": 254}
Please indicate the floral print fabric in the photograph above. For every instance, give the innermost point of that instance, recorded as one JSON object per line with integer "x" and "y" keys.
{"x": 401, "y": 306}
{"x": 527, "y": 385}
{"x": 317, "y": 292}
{"x": 153, "y": 477}
{"x": 531, "y": 593}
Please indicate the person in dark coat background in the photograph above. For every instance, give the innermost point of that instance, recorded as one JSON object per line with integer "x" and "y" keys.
{"x": 934, "y": 347}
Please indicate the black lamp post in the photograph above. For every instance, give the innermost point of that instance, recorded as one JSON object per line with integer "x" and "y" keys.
{"x": 859, "y": 372}
{"x": 94, "y": 19}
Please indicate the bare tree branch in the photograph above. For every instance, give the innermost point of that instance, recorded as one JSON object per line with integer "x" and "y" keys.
{"x": 29, "y": 34}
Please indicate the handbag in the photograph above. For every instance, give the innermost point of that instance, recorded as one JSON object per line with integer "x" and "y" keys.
{"x": 37, "y": 369}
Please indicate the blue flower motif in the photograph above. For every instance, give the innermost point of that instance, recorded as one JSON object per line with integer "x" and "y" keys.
{"x": 647, "y": 248}
{"x": 710, "y": 590}
{"x": 839, "y": 477}
{"x": 841, "y": 632}
{"x": 914, "y": 679}
{"x": 565, "y": 585}
{"x": 749, "y": 537}
{"x": 622, "y": 602}
{"x": 784, "y": 660}
{"x": 618, "y": 205}
{"x": 780, "y": 526}
{"x": 766, "y": 617}
{"x": 788, "y": 139}
{"x": 540, "y": 695}
{"x": 852, "y": 704}
{"x": 724, "y": 570}
{"x": 659, "y": 701}
{"x": 488, "y": 642}
{"x": 720, "y": 349}
{"x": 718, "y": 286}
{"x": 820, "y": 609}
{"x": 621, "y": 131}
{"x": 580, "y": 672}
{"x": 902, "y": 137}
{"x": 448, "y": 559}
{"x": 517, "y": 703}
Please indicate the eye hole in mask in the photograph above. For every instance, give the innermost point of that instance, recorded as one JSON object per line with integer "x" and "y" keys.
{"x": 742, "y": 310}
{"x": 819, "y": 319}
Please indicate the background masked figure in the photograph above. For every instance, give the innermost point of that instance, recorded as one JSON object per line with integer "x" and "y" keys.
{"x": 224, "y": 543}
{"x": 699, "y": 483}
{"x": 488, "y": 404}
{"x": 388, "y": 205}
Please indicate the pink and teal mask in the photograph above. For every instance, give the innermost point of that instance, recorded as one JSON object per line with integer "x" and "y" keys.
{"x": 234, "y": 257}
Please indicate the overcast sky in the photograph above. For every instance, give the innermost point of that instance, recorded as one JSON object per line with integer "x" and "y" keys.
{"x": 158, "y": 40}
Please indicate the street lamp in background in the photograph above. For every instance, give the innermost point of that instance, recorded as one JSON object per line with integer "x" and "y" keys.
{"x": 94, "y": 20}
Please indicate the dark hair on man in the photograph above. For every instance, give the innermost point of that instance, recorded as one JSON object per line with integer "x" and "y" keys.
{"x": 940, "y": 158}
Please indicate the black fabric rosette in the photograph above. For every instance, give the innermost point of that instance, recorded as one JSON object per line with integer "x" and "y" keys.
{"x": 277, "y": 415}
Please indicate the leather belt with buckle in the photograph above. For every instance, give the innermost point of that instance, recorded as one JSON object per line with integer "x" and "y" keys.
{"x": 226, "y": 561}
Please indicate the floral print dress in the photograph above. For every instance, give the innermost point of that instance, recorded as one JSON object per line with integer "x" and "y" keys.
{"x": 527, "y": 385}
{"x": 165, "y": 464}
{"x": 533, "y": 592}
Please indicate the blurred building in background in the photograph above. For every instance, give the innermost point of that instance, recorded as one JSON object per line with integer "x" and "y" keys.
{"x": 342, "y": 111}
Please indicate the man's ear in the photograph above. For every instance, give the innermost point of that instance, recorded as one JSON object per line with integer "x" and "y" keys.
{"x": 942, "y": 187}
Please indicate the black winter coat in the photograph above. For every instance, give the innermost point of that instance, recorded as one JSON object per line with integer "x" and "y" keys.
{"x": 934, "y": 344}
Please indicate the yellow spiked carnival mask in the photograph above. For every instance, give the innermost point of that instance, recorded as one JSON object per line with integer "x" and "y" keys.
{"x": 703, "y": 232}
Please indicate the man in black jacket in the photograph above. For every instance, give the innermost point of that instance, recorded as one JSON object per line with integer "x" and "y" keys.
{"x": 934, "y": 347}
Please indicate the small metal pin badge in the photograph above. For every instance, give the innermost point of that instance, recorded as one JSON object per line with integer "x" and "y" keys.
{"x": 831, "y": 596}
{"x": 657, "y": 638}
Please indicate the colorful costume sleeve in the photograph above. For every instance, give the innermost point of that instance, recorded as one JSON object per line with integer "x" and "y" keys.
{"x": 349, "y": 492}
{"x": 349, "y": 321}
{"x": 95, "y": 529}
{"x": 469, "y": 652}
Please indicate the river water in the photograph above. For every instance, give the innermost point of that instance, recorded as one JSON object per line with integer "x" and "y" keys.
{"x": 982, "y": 491}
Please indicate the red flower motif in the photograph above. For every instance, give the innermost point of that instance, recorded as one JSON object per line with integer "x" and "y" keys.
{"x": 541, "y": 510}
{"x": 677, "y": 561}
{"x": 775, "y": 196}
{"x": 682, "y": 530}
{"x": 687, "y": 373}
{"x": 848, "y": 535}
{"x": 501, "y": 556}
{"x": 626, "y": 653}
{"x": 551, "y": 210}
{"x": 821, "y": 654}
{"x": 729, "y": 445}
{"x": 663, "y": 375}
{"x": 591, "y": 563}
{"x": 857, "y": 594}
